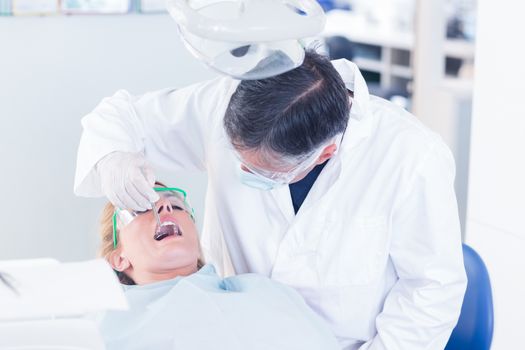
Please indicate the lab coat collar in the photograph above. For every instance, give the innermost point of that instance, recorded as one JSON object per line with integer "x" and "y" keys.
{"x": 361, "y": 121}
{"x": 354, "y": 82}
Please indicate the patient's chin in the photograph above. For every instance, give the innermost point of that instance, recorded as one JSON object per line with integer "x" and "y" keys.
{"x": 175, "y": 259}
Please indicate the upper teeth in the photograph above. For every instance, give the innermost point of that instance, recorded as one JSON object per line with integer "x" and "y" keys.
{"x": 166, "y": 223}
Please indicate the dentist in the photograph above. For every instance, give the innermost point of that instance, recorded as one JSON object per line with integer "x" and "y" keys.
{"x": 311, "y": 181}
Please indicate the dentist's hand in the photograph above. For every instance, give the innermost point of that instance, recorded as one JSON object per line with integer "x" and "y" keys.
{"x": 127, "y": 181}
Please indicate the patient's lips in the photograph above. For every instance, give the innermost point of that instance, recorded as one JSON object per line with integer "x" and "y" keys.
{"x": 167, "y": 228}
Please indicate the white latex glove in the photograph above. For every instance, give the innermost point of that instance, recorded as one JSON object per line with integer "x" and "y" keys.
{"x": 127, "y": 180}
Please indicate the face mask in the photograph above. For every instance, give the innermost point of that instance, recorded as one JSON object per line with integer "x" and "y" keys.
{"x": 258, "y": 182}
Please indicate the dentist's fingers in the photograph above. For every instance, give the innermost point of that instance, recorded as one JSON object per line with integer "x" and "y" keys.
{"x": 126, "y": 180}
{"x": 128, "y": 201}
{"x": 142, "y": 203}
{"x": 113, "y": 198}
{"x": 149, "y": 175}
{"x": 145, "y": 184}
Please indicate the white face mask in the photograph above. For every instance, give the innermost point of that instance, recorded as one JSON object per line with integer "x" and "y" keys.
{"x": 255, "y": 181}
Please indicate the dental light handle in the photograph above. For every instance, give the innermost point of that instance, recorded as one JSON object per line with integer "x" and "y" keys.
{"x": 258, "y": 20}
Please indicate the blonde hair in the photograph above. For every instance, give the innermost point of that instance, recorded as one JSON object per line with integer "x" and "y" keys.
{"x": 106, "y": 239}
{"x": 106, "y": 231}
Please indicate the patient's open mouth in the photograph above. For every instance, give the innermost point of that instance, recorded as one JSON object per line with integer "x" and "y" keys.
{"x": 167, "y": 229}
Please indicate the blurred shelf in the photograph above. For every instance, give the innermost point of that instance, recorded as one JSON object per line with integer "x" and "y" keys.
{"x": 402, "y": 71}
{"x": 369, "y": 64}
{"x": 459, "y": 87}
{"x": 459, "y": 49}
{"x": 357, "y": 29}
{"x": 388, "y": 50}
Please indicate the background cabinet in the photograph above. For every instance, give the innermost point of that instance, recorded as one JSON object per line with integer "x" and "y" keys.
{"x": 384, "y": 54}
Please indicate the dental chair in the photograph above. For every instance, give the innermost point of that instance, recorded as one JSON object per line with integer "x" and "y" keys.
{"x": 476, "y": 321}
{"x": 49, "y": 305}
{"x": 63, "y": 334}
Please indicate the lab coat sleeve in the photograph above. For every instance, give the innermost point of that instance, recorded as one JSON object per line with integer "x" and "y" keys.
{"x": 171, "y": 127}
{"x": 423, "y": 307}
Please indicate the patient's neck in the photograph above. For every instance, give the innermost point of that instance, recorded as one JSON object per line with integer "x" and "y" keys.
{"x": 142, "y": 277}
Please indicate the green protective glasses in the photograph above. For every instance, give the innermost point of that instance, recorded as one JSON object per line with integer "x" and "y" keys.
{"x": 176, "y": 196}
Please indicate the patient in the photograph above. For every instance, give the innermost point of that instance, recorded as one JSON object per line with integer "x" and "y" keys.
{"x": 176, "y": 302}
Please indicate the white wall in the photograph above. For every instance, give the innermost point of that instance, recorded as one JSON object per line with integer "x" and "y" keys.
{"x": 53, "y": 70}
{"x": 496, "y": 197}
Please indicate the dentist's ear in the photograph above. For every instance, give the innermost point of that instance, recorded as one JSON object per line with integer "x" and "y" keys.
{"x": 118, "y": 261}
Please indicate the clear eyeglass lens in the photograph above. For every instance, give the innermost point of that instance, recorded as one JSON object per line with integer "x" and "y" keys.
{"x": 177, "y": 200}
{"x": 125, "y": 216}
{"x": 283, "y": 177}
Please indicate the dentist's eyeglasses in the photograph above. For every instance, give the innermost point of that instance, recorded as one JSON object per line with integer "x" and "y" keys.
{"x": 176, "y": 196}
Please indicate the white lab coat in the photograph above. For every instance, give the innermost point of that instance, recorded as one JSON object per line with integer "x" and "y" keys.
{"x": 375, "y": 248}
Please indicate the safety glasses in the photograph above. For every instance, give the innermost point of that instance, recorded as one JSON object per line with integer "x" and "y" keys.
{"x": 286, "y": 177}
{"x": 176, "y": 196}
{"x": 281, "y": 177}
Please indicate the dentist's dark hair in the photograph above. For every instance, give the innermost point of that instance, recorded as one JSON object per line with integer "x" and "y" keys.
{"x": 292, "y": 113}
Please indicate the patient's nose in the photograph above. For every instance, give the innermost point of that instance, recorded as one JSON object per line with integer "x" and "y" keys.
{"x": 164, "y": 204}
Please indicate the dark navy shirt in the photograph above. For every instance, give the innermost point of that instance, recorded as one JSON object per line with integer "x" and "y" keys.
{"x": 300, "y": 189}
